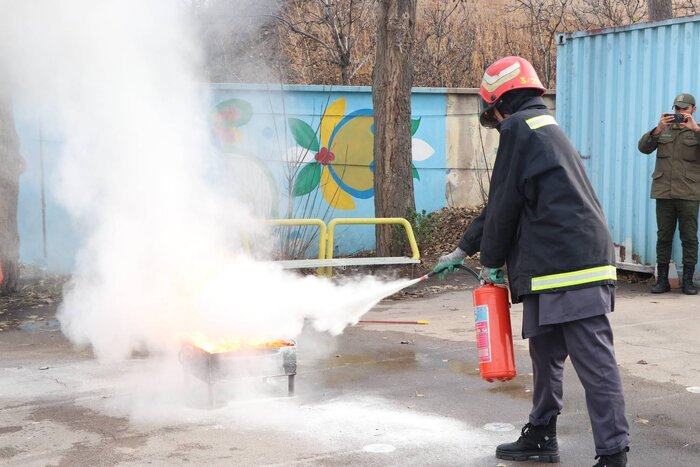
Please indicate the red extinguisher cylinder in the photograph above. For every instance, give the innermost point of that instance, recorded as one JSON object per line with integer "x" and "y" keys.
{"x": 494, "y": 337}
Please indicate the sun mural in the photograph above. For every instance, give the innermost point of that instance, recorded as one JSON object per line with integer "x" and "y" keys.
{"x": 343, "y": 163}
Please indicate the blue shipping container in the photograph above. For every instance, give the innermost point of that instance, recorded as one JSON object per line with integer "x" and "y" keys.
{"x": 612, "y": 86}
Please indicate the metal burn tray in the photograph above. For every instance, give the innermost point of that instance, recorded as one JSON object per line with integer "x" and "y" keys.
{"x": 264, "y": 362}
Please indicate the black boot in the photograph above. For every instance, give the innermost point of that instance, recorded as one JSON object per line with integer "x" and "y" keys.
{"x": 688, "y": 287}
{"x": 536, "y": 443}
{"x": 614, "y": 460}
{"x": 662, "y": 285}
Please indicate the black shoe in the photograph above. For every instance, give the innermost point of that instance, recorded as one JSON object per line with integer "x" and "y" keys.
{"x": 662, "y": 285}
{"x": 688, "y": 287}
{"x": 536, "y": 443}
{"x": 614, "y": 460}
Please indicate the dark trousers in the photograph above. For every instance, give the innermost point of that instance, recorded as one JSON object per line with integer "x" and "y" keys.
{"x": 670, "y": 212}
{"x": 589, "y": 343}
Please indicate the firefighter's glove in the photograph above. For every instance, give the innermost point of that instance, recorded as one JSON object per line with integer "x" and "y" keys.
{"x": 457, "y": 255}
{"x": 491, "y": 275}
{"x": 447, "y": 263}
{"x": 443, "y": 269}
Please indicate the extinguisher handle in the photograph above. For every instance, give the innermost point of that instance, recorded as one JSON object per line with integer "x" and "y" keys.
{"x": 500, "y": 275}
{"x": 470, "y": 271}
{"x": 495, "y": 276}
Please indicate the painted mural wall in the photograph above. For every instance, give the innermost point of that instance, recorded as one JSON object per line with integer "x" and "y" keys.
{"x": 291, "y": 152}
{"x": 312, "y": 150}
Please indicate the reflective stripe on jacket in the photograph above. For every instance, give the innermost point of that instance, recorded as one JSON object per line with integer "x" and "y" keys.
{"x": 571, "y": 278}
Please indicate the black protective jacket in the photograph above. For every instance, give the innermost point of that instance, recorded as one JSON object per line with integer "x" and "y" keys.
{"x": 543, "y": 219}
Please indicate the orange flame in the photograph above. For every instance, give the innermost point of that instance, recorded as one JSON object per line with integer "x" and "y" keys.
{"x": 232, "y": 345}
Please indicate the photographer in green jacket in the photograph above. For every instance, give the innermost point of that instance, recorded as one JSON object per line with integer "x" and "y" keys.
{"x": 676, "y": 188}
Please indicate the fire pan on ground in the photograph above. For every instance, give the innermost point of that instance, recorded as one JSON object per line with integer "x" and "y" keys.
{"x": 277, "y": 359}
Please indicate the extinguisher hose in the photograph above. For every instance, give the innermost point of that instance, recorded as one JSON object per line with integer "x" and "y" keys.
{"x": 470, "y": 271}
{"x": 458, "y": 266}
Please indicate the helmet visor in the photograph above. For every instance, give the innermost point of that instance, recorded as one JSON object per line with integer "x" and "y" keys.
{"x": 486, "y": 116}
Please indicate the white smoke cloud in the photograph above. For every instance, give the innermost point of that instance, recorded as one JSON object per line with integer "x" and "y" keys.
{"x": 163, "y": 256}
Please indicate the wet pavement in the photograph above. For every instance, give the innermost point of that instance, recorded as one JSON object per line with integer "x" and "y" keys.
{"x": 378, "y": 395}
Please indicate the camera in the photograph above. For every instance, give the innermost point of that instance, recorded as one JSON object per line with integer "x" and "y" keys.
{"x": 677, "y": 118}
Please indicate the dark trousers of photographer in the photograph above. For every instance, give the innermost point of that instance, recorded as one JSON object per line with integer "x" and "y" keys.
{"x": 670, "y": 212}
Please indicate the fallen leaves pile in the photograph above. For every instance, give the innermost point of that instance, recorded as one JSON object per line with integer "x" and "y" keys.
{"x": 446, "y": 228}
{"x": 37, "y": 289}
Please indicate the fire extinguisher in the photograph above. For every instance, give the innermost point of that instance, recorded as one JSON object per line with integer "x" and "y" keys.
{"x": 1, "y": 278}
{"x": 494, "y": 337}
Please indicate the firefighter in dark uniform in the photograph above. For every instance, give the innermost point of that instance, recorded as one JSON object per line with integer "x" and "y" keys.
{"x": 676, "y": 187}
{"x": 544, "y": 222}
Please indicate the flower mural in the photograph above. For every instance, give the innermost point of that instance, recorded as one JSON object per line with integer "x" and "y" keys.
{"x": 237, "y": 167}
{"x": 226, "y": 119}
{"x": 343, "y": 159}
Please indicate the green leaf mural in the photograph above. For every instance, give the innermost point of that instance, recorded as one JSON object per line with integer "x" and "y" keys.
{"x": 414, "y": 125}
{"x": 304, "y": 135}
{"x": 308, "y": 179}
{"x": 415, "y": 172}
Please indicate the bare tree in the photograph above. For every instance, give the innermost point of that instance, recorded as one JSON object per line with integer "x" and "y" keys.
{"x": 332, "y": 41}
{"x": 660, "y": 9}
{"x": 544, "y": 19}
{"x": 391, "y": 95}
{"x": 239, "y": 39}
{"x": 327, "y": 32}
{"x": 589, "y": 14}
{"x": 445, "y": 44}
{"x": 686, "y": 8}
{"x": 11, "y": 166}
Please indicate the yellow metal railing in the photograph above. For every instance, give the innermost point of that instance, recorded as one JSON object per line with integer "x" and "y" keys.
{"x": 322, "y": 232}
{"x": 326, "y": 241}
{"x": 373, "y": 221}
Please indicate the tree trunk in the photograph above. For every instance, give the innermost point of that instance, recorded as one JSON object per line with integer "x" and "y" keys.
{"x": 11, "y": 166}
{"x": 660, "y": 9}
{"x": 391, "y": 95}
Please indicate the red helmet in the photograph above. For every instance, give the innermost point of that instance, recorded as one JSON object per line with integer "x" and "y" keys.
{"x": 506, "y": 74}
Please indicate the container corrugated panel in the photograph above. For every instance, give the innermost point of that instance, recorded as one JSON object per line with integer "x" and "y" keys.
{"x": 612, "y": 87}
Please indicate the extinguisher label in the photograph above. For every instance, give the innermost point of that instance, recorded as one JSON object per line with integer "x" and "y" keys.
{"x": 483, "y": 343}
